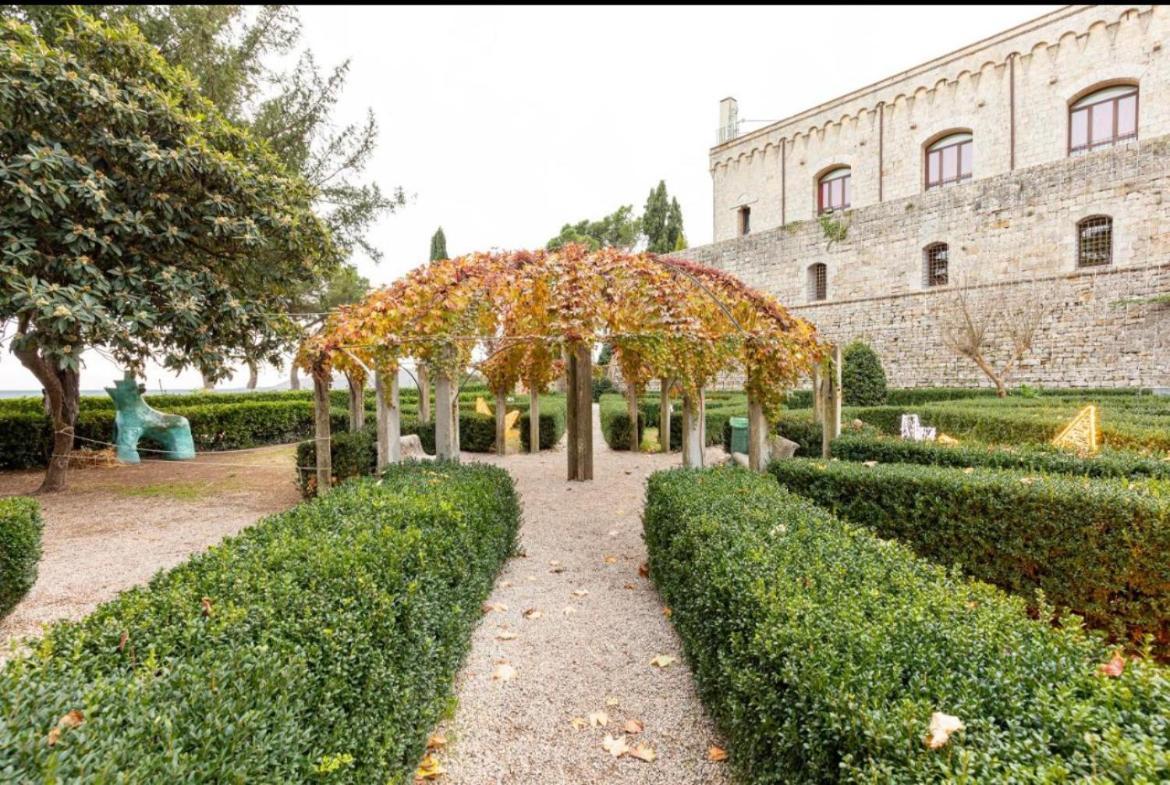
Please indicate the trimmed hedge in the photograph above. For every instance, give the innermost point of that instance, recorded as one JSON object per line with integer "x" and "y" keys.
{"x": 552, "y": 427}
{"x": 1108, "y": 463}
{"x": 798, "y": 426}
{"x": 822, "y": 652}
{"x": 615, "y": 422}
{"x": 320, "y": 644}
{"x": 863, "y": 380}
{"x": 916, "y": 396}
{"x": 20, "y": 548}
{"x": 1098, "y": 547}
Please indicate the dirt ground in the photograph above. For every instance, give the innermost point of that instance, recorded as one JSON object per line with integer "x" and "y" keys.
{"x": 116, "y": 526}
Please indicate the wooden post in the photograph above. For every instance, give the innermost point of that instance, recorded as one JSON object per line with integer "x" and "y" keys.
{"x": 583, "y": 376}
{"x": 357, "y": 402}
{"x": 632, "y": 413}
{"x": 424, "y": 394}
{"x": 444, "y": 428}
{"x": 533, "y": 420}
{"x": 831, "y": 402}
{"x": 571, "y": 414}
{"x": 817, "y": 394}
{"x": 389, "y": 419}
{"x": 693, "y": 430}
{"x": 501, "y": 421}
{"x": 456, "y": 421}
{"x": 757, "y": 434}
{"x": 664, "y": 416}
{"x": 321, "y": 411}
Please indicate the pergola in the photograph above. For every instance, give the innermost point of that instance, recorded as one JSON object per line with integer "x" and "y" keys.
{"x": 535, "y": 315}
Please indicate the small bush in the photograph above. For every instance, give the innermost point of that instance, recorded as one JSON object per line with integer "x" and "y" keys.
{"x": 328, "y": 633}
{"x": 601, "y": 387}
{"x": 352, "y": 454}
{"x": 552, "y": 428}
{"x": 863, "y": 380}
{"x": 20, "y": 549}
{"x": 822, "y": 651}
{"x": 1100, "y": 548}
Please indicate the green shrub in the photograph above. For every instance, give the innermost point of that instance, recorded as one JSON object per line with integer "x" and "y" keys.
{"x": 799, "y": 427}
{"x": 1098, "y": 547}
{"x": 552, "y": 427}
{"x": 352, "y": 454}
{"x": 863, "y": 380}
{"x": 328, "y": 633}
{"x": 822, "y": 652}
{"x": 601, "y": 387}
{"x": 615, "y": 422}
{"x": 1107, "y": 463}
{"x": 20, "y": 548}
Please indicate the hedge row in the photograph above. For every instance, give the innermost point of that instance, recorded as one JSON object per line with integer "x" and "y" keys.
{"x": 916, "y": 396}
{"x": 20, "y": 548}
{"x": 1097, "y": 547}
{"x": 822, "y": 652}
{"x": 615, "y": 420}
{"x": 320, "y": 644}
{"x": 1107, "y": 463}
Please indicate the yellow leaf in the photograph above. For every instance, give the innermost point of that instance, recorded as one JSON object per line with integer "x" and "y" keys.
{"x": 580, "y": 592}
{"x": 598, "y": 719}
{"x": 429, "y": 768}
{"x": 611, "y": 701}
{"x": 716, "y": 754}
{"x": 615, "y": 747}
{"x": 633, "y": 727}
{"x": 579, "y": 723}
{"x": 643, "y": 752}
{"x": 505, "y": 635}
{"x": 435, "y": 741}
{"x": 532, "y": 613}
{"x": 662, "y": 661}
{"x": 503, "y": 672}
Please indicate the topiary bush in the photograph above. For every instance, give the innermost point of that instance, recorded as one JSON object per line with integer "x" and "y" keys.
{"x": 352, "y": 454}
{"x": 822, "y": 652}
{"x": 863, "y": 380}
{"x": 615, "y": 422}
{"x": 1100, "y": 548}
{"x": 318, "y": 645}
{"x": 552, "y": 428}
{"x": 20, "y": 549}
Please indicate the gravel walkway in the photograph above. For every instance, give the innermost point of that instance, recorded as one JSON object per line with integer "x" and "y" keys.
{"x": 584, "y": 652}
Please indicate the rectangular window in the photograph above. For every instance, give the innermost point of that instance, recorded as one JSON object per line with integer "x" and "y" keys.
{"x": 745, "y": 220}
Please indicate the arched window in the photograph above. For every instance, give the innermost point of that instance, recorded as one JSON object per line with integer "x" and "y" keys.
{"x": 1103, "y": 118}
{"x": 818, "y": 282}
{"x": 834, "y": 190}
{"x": 936, "y": 261}
{"x": 950, "y": 160}
{"x": 1095, "y": 241}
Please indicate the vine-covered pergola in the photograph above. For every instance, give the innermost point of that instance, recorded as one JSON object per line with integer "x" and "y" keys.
{"x": 532, "y": 316}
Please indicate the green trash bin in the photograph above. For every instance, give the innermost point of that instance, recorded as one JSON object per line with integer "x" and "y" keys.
{"x": 739, "y": 434}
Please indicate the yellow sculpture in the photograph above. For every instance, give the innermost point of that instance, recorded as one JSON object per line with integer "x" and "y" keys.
{"x": 481, "y": 406}
{"x": 1081, "y": 434}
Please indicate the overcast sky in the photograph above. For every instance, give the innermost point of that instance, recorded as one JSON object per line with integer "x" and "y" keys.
{"x": 502, "y": 124}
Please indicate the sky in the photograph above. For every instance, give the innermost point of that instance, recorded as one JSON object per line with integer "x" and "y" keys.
{"x": 501, "y": 124}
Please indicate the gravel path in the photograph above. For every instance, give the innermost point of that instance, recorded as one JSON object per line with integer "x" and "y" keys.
{"x": 584, "y": 653}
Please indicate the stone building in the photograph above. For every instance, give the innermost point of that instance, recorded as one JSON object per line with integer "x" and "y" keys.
{"x": 1029, "y": 171}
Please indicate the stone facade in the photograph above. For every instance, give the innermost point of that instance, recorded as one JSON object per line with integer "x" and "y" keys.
{"x": 1011, "y": 230}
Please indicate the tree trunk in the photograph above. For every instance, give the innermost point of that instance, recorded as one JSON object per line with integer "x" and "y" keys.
{"x": 357, "y": 403}
{"x": 664, "y": 416}
{"x": 321, "y": 386}
{"x": 501, "y": 421}
{"x": 62, "y": 388}
{"x": 571, "y": 414}
{"x": 632, "y": 413}
{"x": 583, "y": 397}
{"x": 424, "y": 394}
{"x": 533, "y": 420}
{"x": 294, "y": 379}
{"x": 757, "y": 435}
{"x": 253, "y": 375}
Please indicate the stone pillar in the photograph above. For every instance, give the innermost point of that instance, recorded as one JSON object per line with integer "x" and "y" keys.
{"x": 445, "y": 448}
{"x": 664, "y": 416}
{"x": 322, "y": 436}
{"x": 389, "y": 419}
{"x": 632, "y": 413}
{"x": 693, "y": 416}
{"x": 830, "y": 402}
{"x": 424, "y": 394}
{"x": 357, "y": 402}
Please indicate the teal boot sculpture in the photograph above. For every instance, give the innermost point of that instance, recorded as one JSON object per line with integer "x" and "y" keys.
{"x": 135, "y": 419}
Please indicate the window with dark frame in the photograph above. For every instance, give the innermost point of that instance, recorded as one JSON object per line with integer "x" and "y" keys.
{"x": 745, "y": 220}
{"x": 834, "y": 190}
{"x": 1095, "y": 241}
{"x": 1103, "y": 118}
{"x": 818, "y": 282}
{"x": 935, "y": 269}
{"x": 950, "y": 160}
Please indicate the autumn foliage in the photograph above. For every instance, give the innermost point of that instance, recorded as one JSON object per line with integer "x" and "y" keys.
{"x": 663, "y": 316}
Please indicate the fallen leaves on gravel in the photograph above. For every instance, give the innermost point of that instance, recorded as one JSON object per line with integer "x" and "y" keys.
{"x": 532, "y": 613}
{"x": 436, "y": 741}
{"x": 505, "y": 635}
{"x": 503, "y": 672}
{"x": 644, "y": 570}
{"x": 615, "y": 747}
{"x": 598, "y": 719}
{"x": 579, "y": 723}
{"x": 580, "y": 592}
{"x": 666, "y": 612}
{"x": 611, "y": 701}
{"x": 499, "y": 607}
{"x": 630, "y": 586}
{"x": 633, "y": 727}
{"x": 644, "y": 752}
{"x": 429, "y": 768}
{"x": 569, "y": 610}
{"x": 611, "y": 560}
{"x": 716, "y": 754}
{"x": 663, "y": 661}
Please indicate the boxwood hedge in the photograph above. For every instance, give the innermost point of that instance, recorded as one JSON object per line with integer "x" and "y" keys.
{"x": 1107, "y": 463}
{"x": 319, "y": 644}
{"x": 20, "y": 548}
{"x": 1098, "y": 547}
{"x": 822, "y": 651}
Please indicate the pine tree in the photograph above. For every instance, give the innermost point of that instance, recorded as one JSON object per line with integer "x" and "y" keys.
{"x": 438, "y": 245}
{"x": 662, "y": 221}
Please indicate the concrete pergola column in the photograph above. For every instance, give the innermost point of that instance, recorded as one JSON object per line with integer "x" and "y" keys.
{"x": 693, "y": 437}
{"x": 389, "y": 419}
{"x": 446, "y": 448}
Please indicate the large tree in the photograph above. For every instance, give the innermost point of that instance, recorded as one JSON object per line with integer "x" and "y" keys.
{"x": 135, "y": 217}
{"x": 662, "y": 221}
{"x": 232, "y": 50}
{"x": 619, "y": 229}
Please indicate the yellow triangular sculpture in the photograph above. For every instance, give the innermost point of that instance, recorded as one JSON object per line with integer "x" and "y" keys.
{"x": 511, "y": 418}
{"x": 1081, "y": 433}
{"x": 481, "y": 406}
